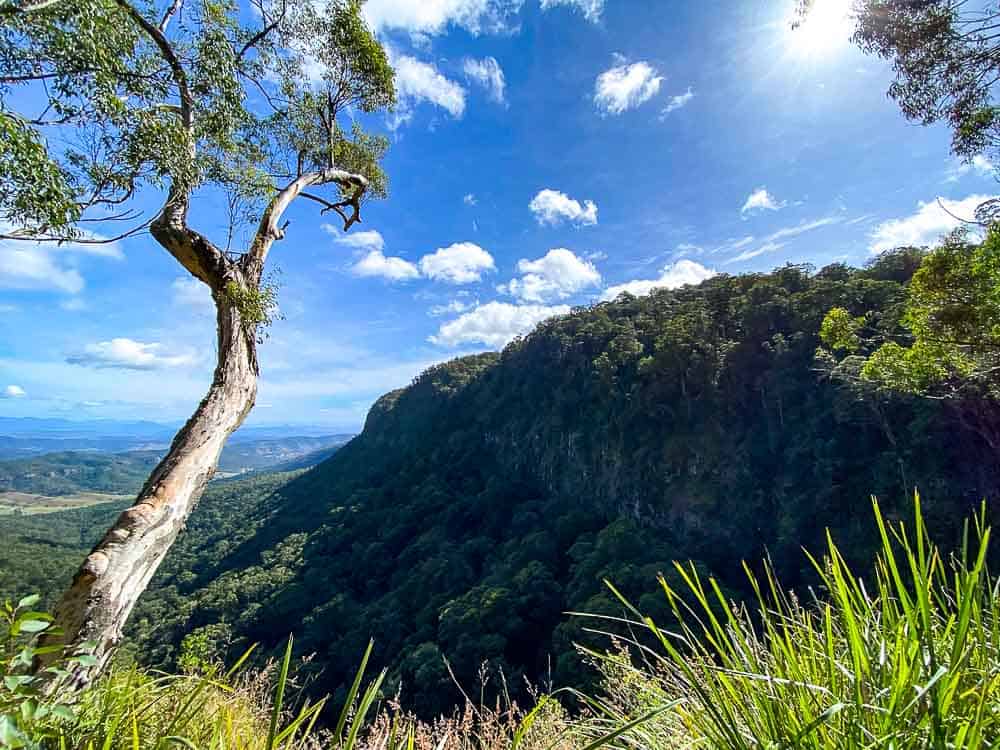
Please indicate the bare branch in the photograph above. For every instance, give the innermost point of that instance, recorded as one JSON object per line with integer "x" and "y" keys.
{"x": 262, "y": 34}
{"x": 269, "y": 231}
{"x": 175, "y": 6}
{"x": 21, "y": 237}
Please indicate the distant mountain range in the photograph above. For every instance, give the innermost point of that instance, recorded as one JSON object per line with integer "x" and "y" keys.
{"x": 25, "y": 437}
{"x": 68, "y": 472}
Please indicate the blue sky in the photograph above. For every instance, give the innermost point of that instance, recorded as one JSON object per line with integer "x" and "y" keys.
{"x": 545, "y": 153}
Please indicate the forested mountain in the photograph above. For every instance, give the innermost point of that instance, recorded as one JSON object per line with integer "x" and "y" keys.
{"x": 495, "y": 493}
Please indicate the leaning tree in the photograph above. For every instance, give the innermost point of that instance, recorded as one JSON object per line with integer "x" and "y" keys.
{"x": 108, "y": 106}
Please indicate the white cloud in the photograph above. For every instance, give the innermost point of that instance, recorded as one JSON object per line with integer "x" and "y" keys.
{"x": 672, "y": 276}
{"x": 591, "y": 9}
{"x": 552, "y": 207}
{"x": 927, "y": 225}
{"x": 760, "y": 200}
{"x": 29, "y": 267}
{"x": 189, "y": 292}
{"x": 494, "y": 324}
{"x": 428, "y": 17}
{"x": 488, "y": 74}
{"x": 556, "y": 275}
{"x": 127, "y": 354}
{"x": 802, "y": 228}
{"x": 461, "y": 263}
{"x": 470, "y": 199}
{"x": 454, "y": 307}
{"x": 767, "y": 247}
{"x": 41, "y": 265}
{"x": 13, "y": 391}
{"x": 417, "y": 82}
{"x": 367, "y": 240}
{"x": 626, "y": 86}
{"x": 979, "y": 164}
{"x": 377, "y": 264}
{"x": 678, "y": 101}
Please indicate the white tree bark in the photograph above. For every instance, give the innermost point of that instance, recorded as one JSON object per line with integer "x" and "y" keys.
{"x": 93, "y": 611}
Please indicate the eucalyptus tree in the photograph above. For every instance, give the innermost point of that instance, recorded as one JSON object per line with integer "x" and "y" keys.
{"x": 107, "y": 106}
{"x": 946, "y": 59}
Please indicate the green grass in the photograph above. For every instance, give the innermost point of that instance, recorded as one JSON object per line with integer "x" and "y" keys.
{"x": 910, "y": 659}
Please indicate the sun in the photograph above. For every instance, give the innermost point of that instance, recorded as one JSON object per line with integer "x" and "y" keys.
{"x": 825, "y": 30}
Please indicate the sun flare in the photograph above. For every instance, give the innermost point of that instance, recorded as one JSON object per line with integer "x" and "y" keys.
{"x": 825, "y": 30}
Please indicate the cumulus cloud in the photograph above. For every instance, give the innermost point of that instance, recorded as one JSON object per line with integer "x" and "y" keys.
{"x": 488, "y": 74}
{"x": 553, "y": 207}
{"x": 678, "y": 101}
{"x": 672, "y": 276}
{"x": 760, "y": 200}
{"x": 417, "y": 82}
{"x": 13, "y": 391}
{"x": 625, "y": 87}
{"x": 127, "y": 354}
{"x": 460, "y": 263}
{"x": 931, "y": 221}
{"x": 375, "y": 263}
{"x": 367, "y": 240}
{"x": 591, "y": 9}
{"x": 558, "y": 274}
{"x": 430, "y": 17}
{"x": 494, "y": 324}
{"x": 470, "y": 199}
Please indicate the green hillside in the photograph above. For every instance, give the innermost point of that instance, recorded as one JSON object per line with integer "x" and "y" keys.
{"x": 494, "y": 494}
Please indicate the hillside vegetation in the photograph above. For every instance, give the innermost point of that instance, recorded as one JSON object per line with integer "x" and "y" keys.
{"x": 498, "y": 491}
{"x": 71, "y": 472}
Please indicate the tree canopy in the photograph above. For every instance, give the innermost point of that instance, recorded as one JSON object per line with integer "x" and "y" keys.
{"x": 104, "y": 99}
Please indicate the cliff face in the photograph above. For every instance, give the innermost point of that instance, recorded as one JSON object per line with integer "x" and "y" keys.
{"x": 497, "y": 491}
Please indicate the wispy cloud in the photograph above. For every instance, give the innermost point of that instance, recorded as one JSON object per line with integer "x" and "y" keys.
{"x": 591, "y": 9}
{"x": 432, "y": 17}
{"x": 676, "y": 102}
{"x": 488, "y": 74}
{"x": 761, "y": 200}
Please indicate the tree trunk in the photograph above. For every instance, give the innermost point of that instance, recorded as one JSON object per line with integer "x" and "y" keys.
{"x": 93, "y": 611}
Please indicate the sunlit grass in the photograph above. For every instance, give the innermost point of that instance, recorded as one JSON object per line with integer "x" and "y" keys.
{"x": 910, "y": 661}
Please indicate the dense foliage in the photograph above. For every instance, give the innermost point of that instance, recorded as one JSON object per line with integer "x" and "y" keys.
{"x": 950, "y": 346}
{"x": 495, "y": 494}
{"x": 39, "y": 553}
{"x": 78, "y": 471}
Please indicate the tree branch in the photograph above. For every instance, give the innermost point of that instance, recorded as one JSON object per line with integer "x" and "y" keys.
{"x": 167, "y": 52}
{"x": 191, "y": 249}
{"x": 175, "y": 6}
{"x": 267, "y": 29}
{"x": 269, "y": 231}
